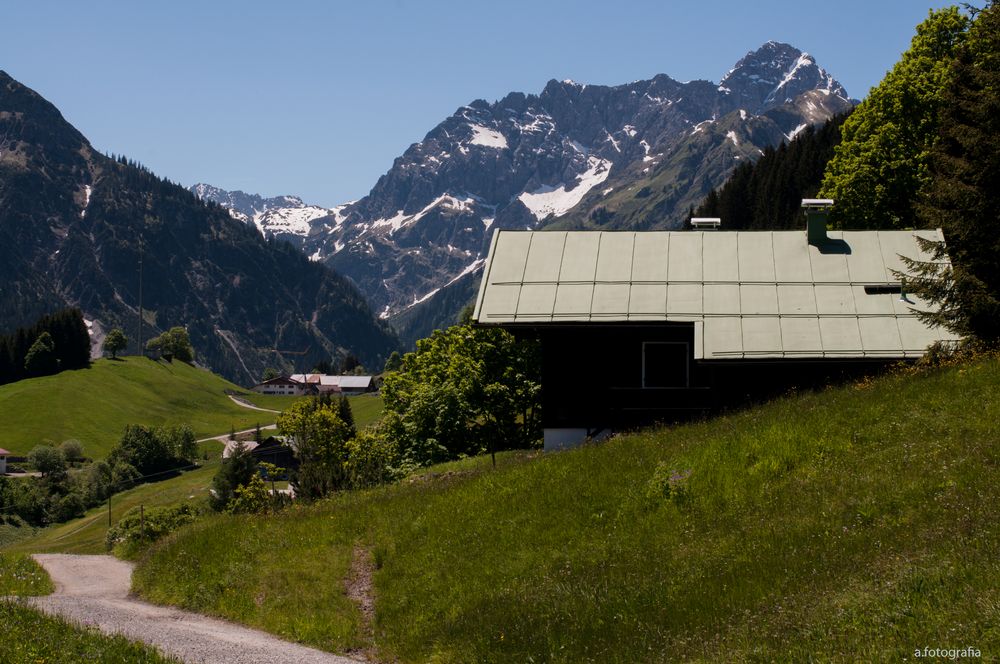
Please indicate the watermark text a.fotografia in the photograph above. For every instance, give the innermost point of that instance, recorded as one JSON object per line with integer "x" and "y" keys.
{"x": 967, "y": 652}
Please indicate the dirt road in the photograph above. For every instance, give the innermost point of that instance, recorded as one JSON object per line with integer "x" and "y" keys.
{"x": 93, "y": 590}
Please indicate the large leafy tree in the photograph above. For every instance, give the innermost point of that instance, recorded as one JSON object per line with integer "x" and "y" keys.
{"x": 963, "y": 198}
{"x": 115, "y": 342}
{"x": 881, "y": 165}
{"x": 320, "y": 438}
{"x": 465, "y": 391}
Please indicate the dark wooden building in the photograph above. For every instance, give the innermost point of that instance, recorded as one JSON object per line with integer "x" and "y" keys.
{"x": 639, "y": 327}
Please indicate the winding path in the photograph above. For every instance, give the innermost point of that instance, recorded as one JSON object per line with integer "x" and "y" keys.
{"x": 94, "y": 591}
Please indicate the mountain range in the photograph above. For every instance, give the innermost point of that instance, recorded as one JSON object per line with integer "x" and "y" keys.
{"x": 632, "y": 156}
{"x": 106, "y": 235}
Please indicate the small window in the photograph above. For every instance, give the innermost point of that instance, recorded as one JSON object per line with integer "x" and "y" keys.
{"x": 884, "y": 289}
{"x": 665, "y": 364}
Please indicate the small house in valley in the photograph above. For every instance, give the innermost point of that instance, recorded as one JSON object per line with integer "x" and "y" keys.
{"x": 314, "y": 383}
{"x": 683, "y": 322}
{"x": 3, "y": 460}
{"x": 283, "y": 385}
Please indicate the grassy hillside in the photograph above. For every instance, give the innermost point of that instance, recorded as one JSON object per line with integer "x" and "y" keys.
{"x": 86, "y": 534}
{"x": 853, "y": 524}
{"x": 93, "y": 405}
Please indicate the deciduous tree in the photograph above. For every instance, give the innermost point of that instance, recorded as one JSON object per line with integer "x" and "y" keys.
{"x": 880, "y": 168}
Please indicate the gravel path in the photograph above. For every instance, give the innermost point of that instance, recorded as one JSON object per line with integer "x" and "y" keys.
{"x": 93, "y": 590}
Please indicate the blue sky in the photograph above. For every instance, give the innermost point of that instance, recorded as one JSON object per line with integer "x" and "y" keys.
{"x": 317, "y": 98}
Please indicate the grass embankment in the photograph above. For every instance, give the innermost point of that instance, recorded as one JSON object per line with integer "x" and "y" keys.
{"x": 22, "y": 576}
{"x": 86, "y": 534}
{"x": 94, "y": 405}
{"x": 30, "y": 636}
{"x": 854, "y": 524}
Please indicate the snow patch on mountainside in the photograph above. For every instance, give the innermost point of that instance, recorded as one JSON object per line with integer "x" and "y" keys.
{"x": 487, "y": 137}
{"x": 86, "y": 200}
{"x": 559, "y": 200}
{"x": 445, "y": 201}
{"x": 291, "y": 220}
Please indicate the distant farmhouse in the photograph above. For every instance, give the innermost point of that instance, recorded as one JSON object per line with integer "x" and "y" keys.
{"x": 3, "y": 460}
{"x": 639, "y": 327}
{"x": 301, "y": 384}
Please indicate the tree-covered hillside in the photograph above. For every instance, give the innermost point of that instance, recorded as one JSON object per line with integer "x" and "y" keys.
{"x": 767, "y": 193}
{"x": 76, "y": 225}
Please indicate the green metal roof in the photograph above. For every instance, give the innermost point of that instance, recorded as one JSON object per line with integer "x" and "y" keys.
{"x": 749, "y": 293}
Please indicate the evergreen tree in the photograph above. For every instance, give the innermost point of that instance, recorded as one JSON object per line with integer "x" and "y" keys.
{"x": 767, "y": 194}
{"x": 964, "y": 197}
{"x": 40, "y": 360}
{"x": 345, "y": 413}
{"x": 880, "y": 168}
{"x": 236, "y": 470}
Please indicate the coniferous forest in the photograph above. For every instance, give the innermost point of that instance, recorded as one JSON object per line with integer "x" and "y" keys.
{"x": 55, "y": 343}
{"x": 768, "y": 193}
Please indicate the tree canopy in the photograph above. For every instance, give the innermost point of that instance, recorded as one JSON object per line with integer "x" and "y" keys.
{"x": 115, "y": 342}
{"x": 881, "y": 165}
{"x": 963, "y": 197}
{"x": 175, "y": 342}
{"x": 465, "y": 390}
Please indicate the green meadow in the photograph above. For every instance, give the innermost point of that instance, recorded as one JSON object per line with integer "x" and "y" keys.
{"x": 856, "y": 523}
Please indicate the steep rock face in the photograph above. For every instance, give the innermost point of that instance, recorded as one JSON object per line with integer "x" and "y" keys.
{"x": 629, "y": 156}
{"x": 76, "y": 225}
{"x": 633, "y": 156}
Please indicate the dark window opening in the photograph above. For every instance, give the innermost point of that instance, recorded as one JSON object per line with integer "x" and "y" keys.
{"x": 665, "y": 364}
{"x": 884, "y": 289}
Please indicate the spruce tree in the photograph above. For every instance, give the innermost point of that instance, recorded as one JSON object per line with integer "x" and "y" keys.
{"x": 964, "y": 196}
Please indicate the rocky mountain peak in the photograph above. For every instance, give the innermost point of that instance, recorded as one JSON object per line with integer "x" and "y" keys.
{"x": 775, "y": 74}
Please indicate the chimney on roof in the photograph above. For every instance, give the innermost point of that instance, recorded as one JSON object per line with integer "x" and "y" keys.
{"x": 705, "y": 223}
{"x": 817, "y": 210}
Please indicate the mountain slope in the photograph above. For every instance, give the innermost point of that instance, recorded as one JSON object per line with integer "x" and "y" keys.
{"x": 282, "y": 217}
{"x": 629, "y": 156}
{"x": 632, "y": 156}
{"x": 77, "y": 223}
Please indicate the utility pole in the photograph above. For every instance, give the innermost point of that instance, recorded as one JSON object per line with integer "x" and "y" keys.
{"x": 141, "y": 349}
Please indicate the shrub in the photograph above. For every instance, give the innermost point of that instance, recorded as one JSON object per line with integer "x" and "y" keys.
{"x": 140, "y": 527}
{"x": 72, "y": 449}
{"x": 669, "y": 484}
{"x": 251, "y": 498}
{"x": 372, "y": 459}
{"x": 47, "y": 460}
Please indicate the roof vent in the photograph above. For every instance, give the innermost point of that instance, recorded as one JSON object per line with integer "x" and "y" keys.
{"x": 817, "y": 210}
{"x": 706, "y": 223}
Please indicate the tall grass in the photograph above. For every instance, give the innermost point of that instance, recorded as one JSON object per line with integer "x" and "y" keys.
{"x": 21, "y": 576}
{"x": 31, "y": 636}
{"x": 852, "y": 524}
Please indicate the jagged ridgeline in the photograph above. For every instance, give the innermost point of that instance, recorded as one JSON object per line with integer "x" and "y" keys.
{"x": 768, "y": 193}
{"x": 76, "y": 223}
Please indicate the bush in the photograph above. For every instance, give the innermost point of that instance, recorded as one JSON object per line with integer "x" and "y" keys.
{"x": 251, "y": 498}
{"x": 235, "y": 471}
{"x": 72, "y": 449}
{"x": 47, "y": 460}
{"x": 372, "y": 459}
{"x": 138, "y": 527}
{"x": 153, "y": 450}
